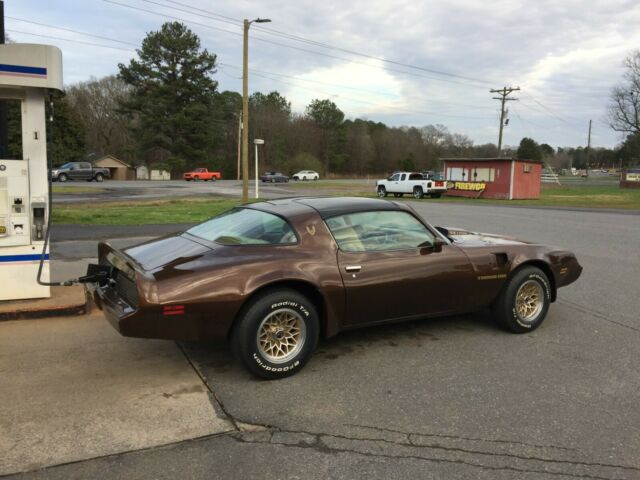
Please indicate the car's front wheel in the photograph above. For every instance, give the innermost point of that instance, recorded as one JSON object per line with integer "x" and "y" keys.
{"x": 276, "y": 333}
{"x": 62, "y": 177}
{"x": 524, "y": 301}
{"x": 382, "y": 192}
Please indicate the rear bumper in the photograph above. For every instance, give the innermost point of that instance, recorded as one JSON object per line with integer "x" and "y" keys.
{"x": 193, "y": 323}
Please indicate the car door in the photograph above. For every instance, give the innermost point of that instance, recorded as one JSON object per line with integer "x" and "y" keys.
{"x": 82, "y": 171}
{"x": 391, "y": 269}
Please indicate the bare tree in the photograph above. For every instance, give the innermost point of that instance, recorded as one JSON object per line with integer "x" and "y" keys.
{"x": 97, "y": 103}
{"x": 624, "y": 109}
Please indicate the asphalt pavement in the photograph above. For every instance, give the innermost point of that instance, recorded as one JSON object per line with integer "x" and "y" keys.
{"x": 443, "y": 398}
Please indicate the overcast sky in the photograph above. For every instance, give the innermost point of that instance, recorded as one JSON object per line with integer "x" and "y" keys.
{"x": 565, "y": 55}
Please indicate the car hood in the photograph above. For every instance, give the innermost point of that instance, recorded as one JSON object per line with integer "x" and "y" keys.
{"x": 465, "y": 238}
{"x": 163, "y": 251}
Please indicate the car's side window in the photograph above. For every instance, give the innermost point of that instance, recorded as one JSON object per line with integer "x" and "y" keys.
{"x": 395, "y": 177}
{"x": 404, "y": 175}
{"x": 379, "y": 231}
{"x": 245, "y": 226}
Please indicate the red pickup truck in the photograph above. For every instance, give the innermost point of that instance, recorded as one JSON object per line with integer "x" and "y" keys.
{"x": 201, "y": 174}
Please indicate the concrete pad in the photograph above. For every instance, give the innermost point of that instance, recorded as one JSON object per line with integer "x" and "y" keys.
{"x": 72, "y": 388}
{"x": 63, "y": 301}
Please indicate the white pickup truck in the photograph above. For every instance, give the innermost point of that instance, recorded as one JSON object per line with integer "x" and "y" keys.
{"x": 409, "y": 182}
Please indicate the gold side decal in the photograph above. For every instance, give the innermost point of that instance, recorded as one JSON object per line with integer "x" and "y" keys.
{"x": 492, "y": 277}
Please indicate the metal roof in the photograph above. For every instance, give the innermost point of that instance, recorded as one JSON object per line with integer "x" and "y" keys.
{"x": 494, "y": 159}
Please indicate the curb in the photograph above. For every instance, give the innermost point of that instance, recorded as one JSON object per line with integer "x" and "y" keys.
{"x": 44, "y": 313}
{"x": 75, "y": 309}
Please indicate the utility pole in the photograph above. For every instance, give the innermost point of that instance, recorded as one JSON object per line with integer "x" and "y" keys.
{"x": 4, "y": 126}
{"x": 239, "y": 143}
{"x": 245, "y": 106}
{"x": 588, "y": 147}
{"x": 504, "y": 93}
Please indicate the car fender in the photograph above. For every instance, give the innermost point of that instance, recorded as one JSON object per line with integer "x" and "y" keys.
{"x": 330, "y": 293}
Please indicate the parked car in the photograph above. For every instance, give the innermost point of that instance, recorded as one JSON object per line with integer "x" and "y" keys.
{"x": 414, "y": 183}
{"x": 306, "y": 175}
{"x": 274, "y": 177}
{"x": 79, "y": 171}
{"x": 198, "y": 174}
{"x": 271, "y": 277}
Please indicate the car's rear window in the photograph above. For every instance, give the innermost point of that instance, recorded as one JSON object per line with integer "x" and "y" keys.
{"x": 245, "y": 226}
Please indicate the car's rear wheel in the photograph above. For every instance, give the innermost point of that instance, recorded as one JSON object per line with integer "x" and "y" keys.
{"x": 276, "y": 333}
{"x": 524, "y": 301}
{"x": 382, "y": 192}
{"x": 99, "y": 177}
{"x": 418, "y": 193}
{"x": 62, "y": 177}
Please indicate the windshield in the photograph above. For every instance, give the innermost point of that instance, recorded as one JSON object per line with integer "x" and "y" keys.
{"x": 245, "y": 226}
{"x": 66, "y": 165}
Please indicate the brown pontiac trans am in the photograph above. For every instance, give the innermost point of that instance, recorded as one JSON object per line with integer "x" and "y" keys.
{"x": 272, "y": 277}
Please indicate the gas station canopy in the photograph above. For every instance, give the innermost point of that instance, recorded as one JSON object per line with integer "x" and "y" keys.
{"x": 31, "y": 65}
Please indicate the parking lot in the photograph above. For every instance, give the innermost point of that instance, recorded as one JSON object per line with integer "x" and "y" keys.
{"x": 444, "y": 398}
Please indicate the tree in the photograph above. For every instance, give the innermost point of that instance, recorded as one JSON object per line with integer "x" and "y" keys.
{"x": 547, "y": 150}
{"x": 97, "y": 104}
{"x": 529, "y": 149}
{"x": 325, "y": 113}
{"x": 624, "y": 109}
{"x": 269, "y": 119}
{"x": 629, "y": 151}
{"x": 172, "y": 96}
{"x": 66, "y": 134}
{"x": 330, "y": 118}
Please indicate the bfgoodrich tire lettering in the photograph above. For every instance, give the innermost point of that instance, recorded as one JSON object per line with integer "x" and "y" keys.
{"x": 276, "y": 333}
{"x": 524, "y": 301}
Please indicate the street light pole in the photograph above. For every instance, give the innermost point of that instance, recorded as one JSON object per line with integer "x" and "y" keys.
{"x": 245, "y": 106}
{"x": 256, "y": 142}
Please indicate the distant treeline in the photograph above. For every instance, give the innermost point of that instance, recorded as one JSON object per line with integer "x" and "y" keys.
{"x": 164, "y": 110}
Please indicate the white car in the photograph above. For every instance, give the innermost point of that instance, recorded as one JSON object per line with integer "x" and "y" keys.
{"x": 306, "y": 175}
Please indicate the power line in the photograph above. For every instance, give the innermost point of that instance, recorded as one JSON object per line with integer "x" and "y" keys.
{"x": 71, "y": 30}
{"x": 220, "y": 64}
{"x": 372, "y": 92}
{"x": 314, "y": 52}
{"x": 71, "y": 40}
{"x": 271, "y": 31}
{"x": 402, "y": 110}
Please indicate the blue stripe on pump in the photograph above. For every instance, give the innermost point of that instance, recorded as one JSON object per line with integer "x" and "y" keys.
{"x": 21, "y": 258}
{"x": 22, "y": 69}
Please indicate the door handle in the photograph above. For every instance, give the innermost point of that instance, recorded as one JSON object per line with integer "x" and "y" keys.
{"x": 353, "y": 268}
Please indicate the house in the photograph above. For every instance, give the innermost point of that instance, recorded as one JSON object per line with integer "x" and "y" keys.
{"x": 119, "y": 169}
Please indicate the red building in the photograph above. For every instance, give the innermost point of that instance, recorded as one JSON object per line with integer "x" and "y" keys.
{"x": 504, "y": 178}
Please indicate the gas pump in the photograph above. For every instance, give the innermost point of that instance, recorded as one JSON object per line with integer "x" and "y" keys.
{"x": 28, "y": 74}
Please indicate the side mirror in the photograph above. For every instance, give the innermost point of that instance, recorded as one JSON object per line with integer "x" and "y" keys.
{"x": 435, "y": 247}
